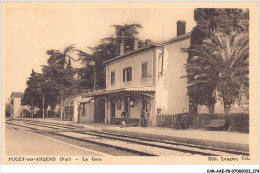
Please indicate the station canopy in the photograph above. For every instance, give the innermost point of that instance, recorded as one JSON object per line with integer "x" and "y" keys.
{"x": 147, "y": 91}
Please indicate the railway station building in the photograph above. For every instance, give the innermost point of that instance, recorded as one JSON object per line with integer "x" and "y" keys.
{"x": 148, "y": 79}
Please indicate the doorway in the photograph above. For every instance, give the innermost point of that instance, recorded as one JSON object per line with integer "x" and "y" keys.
{"x": 99, "y": 116}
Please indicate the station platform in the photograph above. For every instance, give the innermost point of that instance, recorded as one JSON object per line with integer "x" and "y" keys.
{"x": 217, "y": 139}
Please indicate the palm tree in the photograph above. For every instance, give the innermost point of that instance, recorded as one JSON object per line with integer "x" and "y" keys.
{"x": 219, "y": 69}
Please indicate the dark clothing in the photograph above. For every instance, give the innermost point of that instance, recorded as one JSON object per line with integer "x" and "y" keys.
{"x": 144, "y": 118}
{"x": 142, "y": 121}
{"x": 124, "y": 114}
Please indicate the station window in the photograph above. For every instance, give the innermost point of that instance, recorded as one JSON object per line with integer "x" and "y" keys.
{"x": 144, "y": 70}
{"x": 127, "y": 74}
{"x": 83, "y": 109}
{"x": 112, "y": 77}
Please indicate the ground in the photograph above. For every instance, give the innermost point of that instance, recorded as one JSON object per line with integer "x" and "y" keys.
{"x": 21, "y": 142}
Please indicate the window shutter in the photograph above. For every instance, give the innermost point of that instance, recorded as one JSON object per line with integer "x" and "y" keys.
{"x": 123, "y": 75}
{"x": 144, "y": 70}
{"x": 112, "y": 77}
{"x": 130, "y": 74}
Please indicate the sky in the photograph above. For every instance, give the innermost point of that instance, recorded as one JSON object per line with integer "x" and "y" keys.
{"x": 29, "y": 29}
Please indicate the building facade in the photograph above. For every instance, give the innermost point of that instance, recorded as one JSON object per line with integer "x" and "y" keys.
{"x": 79, "y": 109}
{"x": 147, "y": 80}
{"x": 16, "y": 107}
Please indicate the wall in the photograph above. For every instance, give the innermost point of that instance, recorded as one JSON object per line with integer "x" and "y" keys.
{"x": 136, "y": 63}
{"x": 17, "y": 108}
{"x": 107, "y": 112}
{"x": 171, "y": 89}
{"x": 134, "y": 111}
{"x": 119, "y": 111}
{"x": 202, "y": 109}
{"x": 89, "y": 115}
{"x": 237, "y": 107}
{"x": 219, "y": 107}
{"x": 75, "y": 115}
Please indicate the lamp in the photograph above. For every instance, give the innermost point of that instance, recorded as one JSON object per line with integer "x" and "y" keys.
{"x": 131, "y": 103}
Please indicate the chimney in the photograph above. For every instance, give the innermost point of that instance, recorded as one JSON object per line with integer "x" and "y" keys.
{"x": 148, "y": 42}
{"x": 181, "y": 27}
{"x": 135, "y": 44}
{"x": 122, "y": 47}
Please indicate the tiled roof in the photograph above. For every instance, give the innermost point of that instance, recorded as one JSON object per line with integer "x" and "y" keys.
{"x": 175, "y": 39}
{"x": 154, "y": 45}
{"x": 85, "y": 100}
{"x": 137, "y": 89}
{"x": 141, "y": 89}
{"x": 139, "y": 50}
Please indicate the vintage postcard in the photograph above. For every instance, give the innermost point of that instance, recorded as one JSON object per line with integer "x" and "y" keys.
{"x": 129, "y": 83}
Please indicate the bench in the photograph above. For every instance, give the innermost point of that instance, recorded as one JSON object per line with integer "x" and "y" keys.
{"x": 132, "y": 121}
{"x": 217, "y": 123}
{"x": 129, "y": 121}
{"x": 116, "y": 121}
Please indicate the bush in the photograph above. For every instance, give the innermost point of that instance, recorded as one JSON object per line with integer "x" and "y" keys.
{"x": 239, "y": 122}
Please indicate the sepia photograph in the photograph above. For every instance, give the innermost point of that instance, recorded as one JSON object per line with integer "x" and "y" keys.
{"x": 129, "y": 83}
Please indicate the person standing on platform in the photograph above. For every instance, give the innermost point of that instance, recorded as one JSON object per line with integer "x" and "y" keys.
{"x": 142, "y": 117}
{"x": 145, "y": 118}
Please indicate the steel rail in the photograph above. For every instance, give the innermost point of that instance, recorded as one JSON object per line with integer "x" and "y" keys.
{"x": 132, "y": 140}
{"x": 177, "y": 143}
{"x": 140, "y": 153}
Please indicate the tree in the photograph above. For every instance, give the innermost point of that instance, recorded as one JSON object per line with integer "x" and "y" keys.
{"x": 210, "y": 21}
{"x": 59, "y": 76}
{"x": 32, "y": 94}
{"x": 54, "y": 84}
{"x": 219, "y": 69}
{"x": 94, "y": 68}
{"x": 8, "y": 108}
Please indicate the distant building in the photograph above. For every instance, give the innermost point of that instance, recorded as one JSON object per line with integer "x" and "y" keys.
{"x": 16, "y": 106}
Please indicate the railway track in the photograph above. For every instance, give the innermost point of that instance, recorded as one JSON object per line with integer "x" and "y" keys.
{"x": 28, "y": 127}
{"x": 171, "y": 145}
{"x": 115, "y": 135}
{"x": 48, "y": 124}
{"x": 139, "y": 146}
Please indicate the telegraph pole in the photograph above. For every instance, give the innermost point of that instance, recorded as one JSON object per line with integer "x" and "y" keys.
{"x": 43, "y": 106}
{"x": 94, "y": 77}
{"x": 22, "y": 107}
